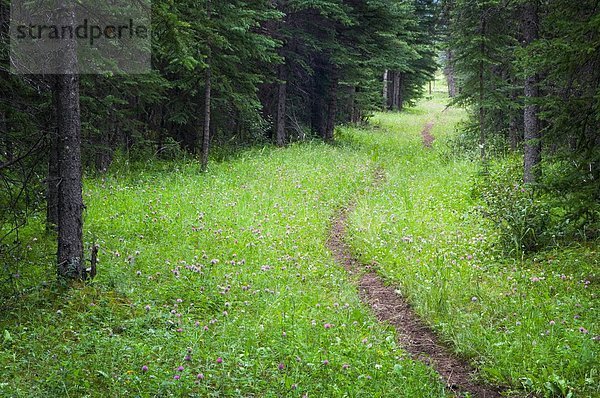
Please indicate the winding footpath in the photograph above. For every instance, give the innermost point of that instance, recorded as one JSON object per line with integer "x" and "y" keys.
{"x": 413, "y": 334}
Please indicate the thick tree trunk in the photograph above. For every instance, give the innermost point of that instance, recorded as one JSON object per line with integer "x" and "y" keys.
{"x": 70, "y": 198}
{"x": 71, "y": 263}
{"x": 385, "y": 89}
{"x": 281, "y": 107}
{"x": 532, "y": 136}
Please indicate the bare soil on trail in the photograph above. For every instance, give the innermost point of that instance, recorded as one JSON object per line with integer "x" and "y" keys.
{"x": 428, "y": 138}
{"x": 389, "y": 306}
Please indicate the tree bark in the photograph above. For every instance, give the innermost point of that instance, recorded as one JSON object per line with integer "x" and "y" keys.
{"x": 318, "y": 100}
{"x": 8, "y": 145}
{"x": 354, "y": 109}
{"x": 400, "y": 92}
{"x": 385, "y": 89}
{"x": 207, "y": 115}
{"x": 482, "y": 135}
{"x": 281, "y": 107}
{"x": 395, "y": 90}
{"x": 104, "y": 153}
{"x": 207, "y": 104}
{"x": 70, "y": 199}
{"x": 331, "y": 108}
{"x": 513, "y": 133}
{"x": 450, "y": 74}
{"x": 532, "y": 136}
{"x": 53, "y": 179}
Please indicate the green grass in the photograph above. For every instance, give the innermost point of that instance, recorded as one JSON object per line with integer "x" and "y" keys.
{"x": 230, "y": 265}
{"x": 531, "y": 324}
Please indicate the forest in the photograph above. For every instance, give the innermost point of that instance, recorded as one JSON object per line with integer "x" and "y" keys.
{"x": 311, "y": 198}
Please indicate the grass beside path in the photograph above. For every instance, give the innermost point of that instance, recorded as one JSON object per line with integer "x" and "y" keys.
{"x": 220, "y": 284}
{"x": 209, "y": 285}
{"x": 530, "y": 324}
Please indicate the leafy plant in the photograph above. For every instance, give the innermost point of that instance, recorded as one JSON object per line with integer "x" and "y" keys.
{"x": 521, "y": 217}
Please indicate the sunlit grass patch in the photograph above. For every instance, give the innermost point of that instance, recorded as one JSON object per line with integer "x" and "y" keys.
{"x": 213, "y": 284}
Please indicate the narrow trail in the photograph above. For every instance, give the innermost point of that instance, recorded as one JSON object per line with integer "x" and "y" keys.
{"x": 428, "y": 138}
{"x": 412, "y": 333}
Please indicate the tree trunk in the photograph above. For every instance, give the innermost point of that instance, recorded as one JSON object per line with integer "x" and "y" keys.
{"x": 103, "y": 154}
{"x": 450, "y": 75}
{"x": 331, "y": 108}
{"x": 513, "y": 133}
{"x": 8, "y": 145}
{"x": 207, "y": 105}
{"x": 395, "y": 90}
{"x": 319, "y": 102}
{"x": 482, "y": 135}
{"x": 53, "y": 179}
{"x": 532, "y": 136}
{"x": 207, "y": 114}
{"x": 70, "y": 198}
{"x": 400, "y": 91}
{"x": 71, "y": 263}
{"x": 354, "y": 109}
{"x": 385, "y": 90}
{"x": 281, "y": 108}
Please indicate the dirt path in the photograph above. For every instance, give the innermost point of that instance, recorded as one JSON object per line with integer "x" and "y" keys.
{"x": 428, "y": 138}
{"x": 412, "y": 333}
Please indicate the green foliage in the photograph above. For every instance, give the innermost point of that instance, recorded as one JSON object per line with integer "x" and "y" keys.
{"x": 532, "y": 218}
{"x": 465, "y": 143}
{"x": 522, "y": 218}
{"x": 492, "y": 65}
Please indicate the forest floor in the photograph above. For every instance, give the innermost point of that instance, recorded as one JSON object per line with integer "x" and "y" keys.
{"x": 232, "y": 283}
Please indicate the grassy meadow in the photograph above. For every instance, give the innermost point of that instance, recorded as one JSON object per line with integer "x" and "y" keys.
{"x": 210, "y": 285}
{"x": 530, "y": 323}
{"x": 220, "y": 284}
